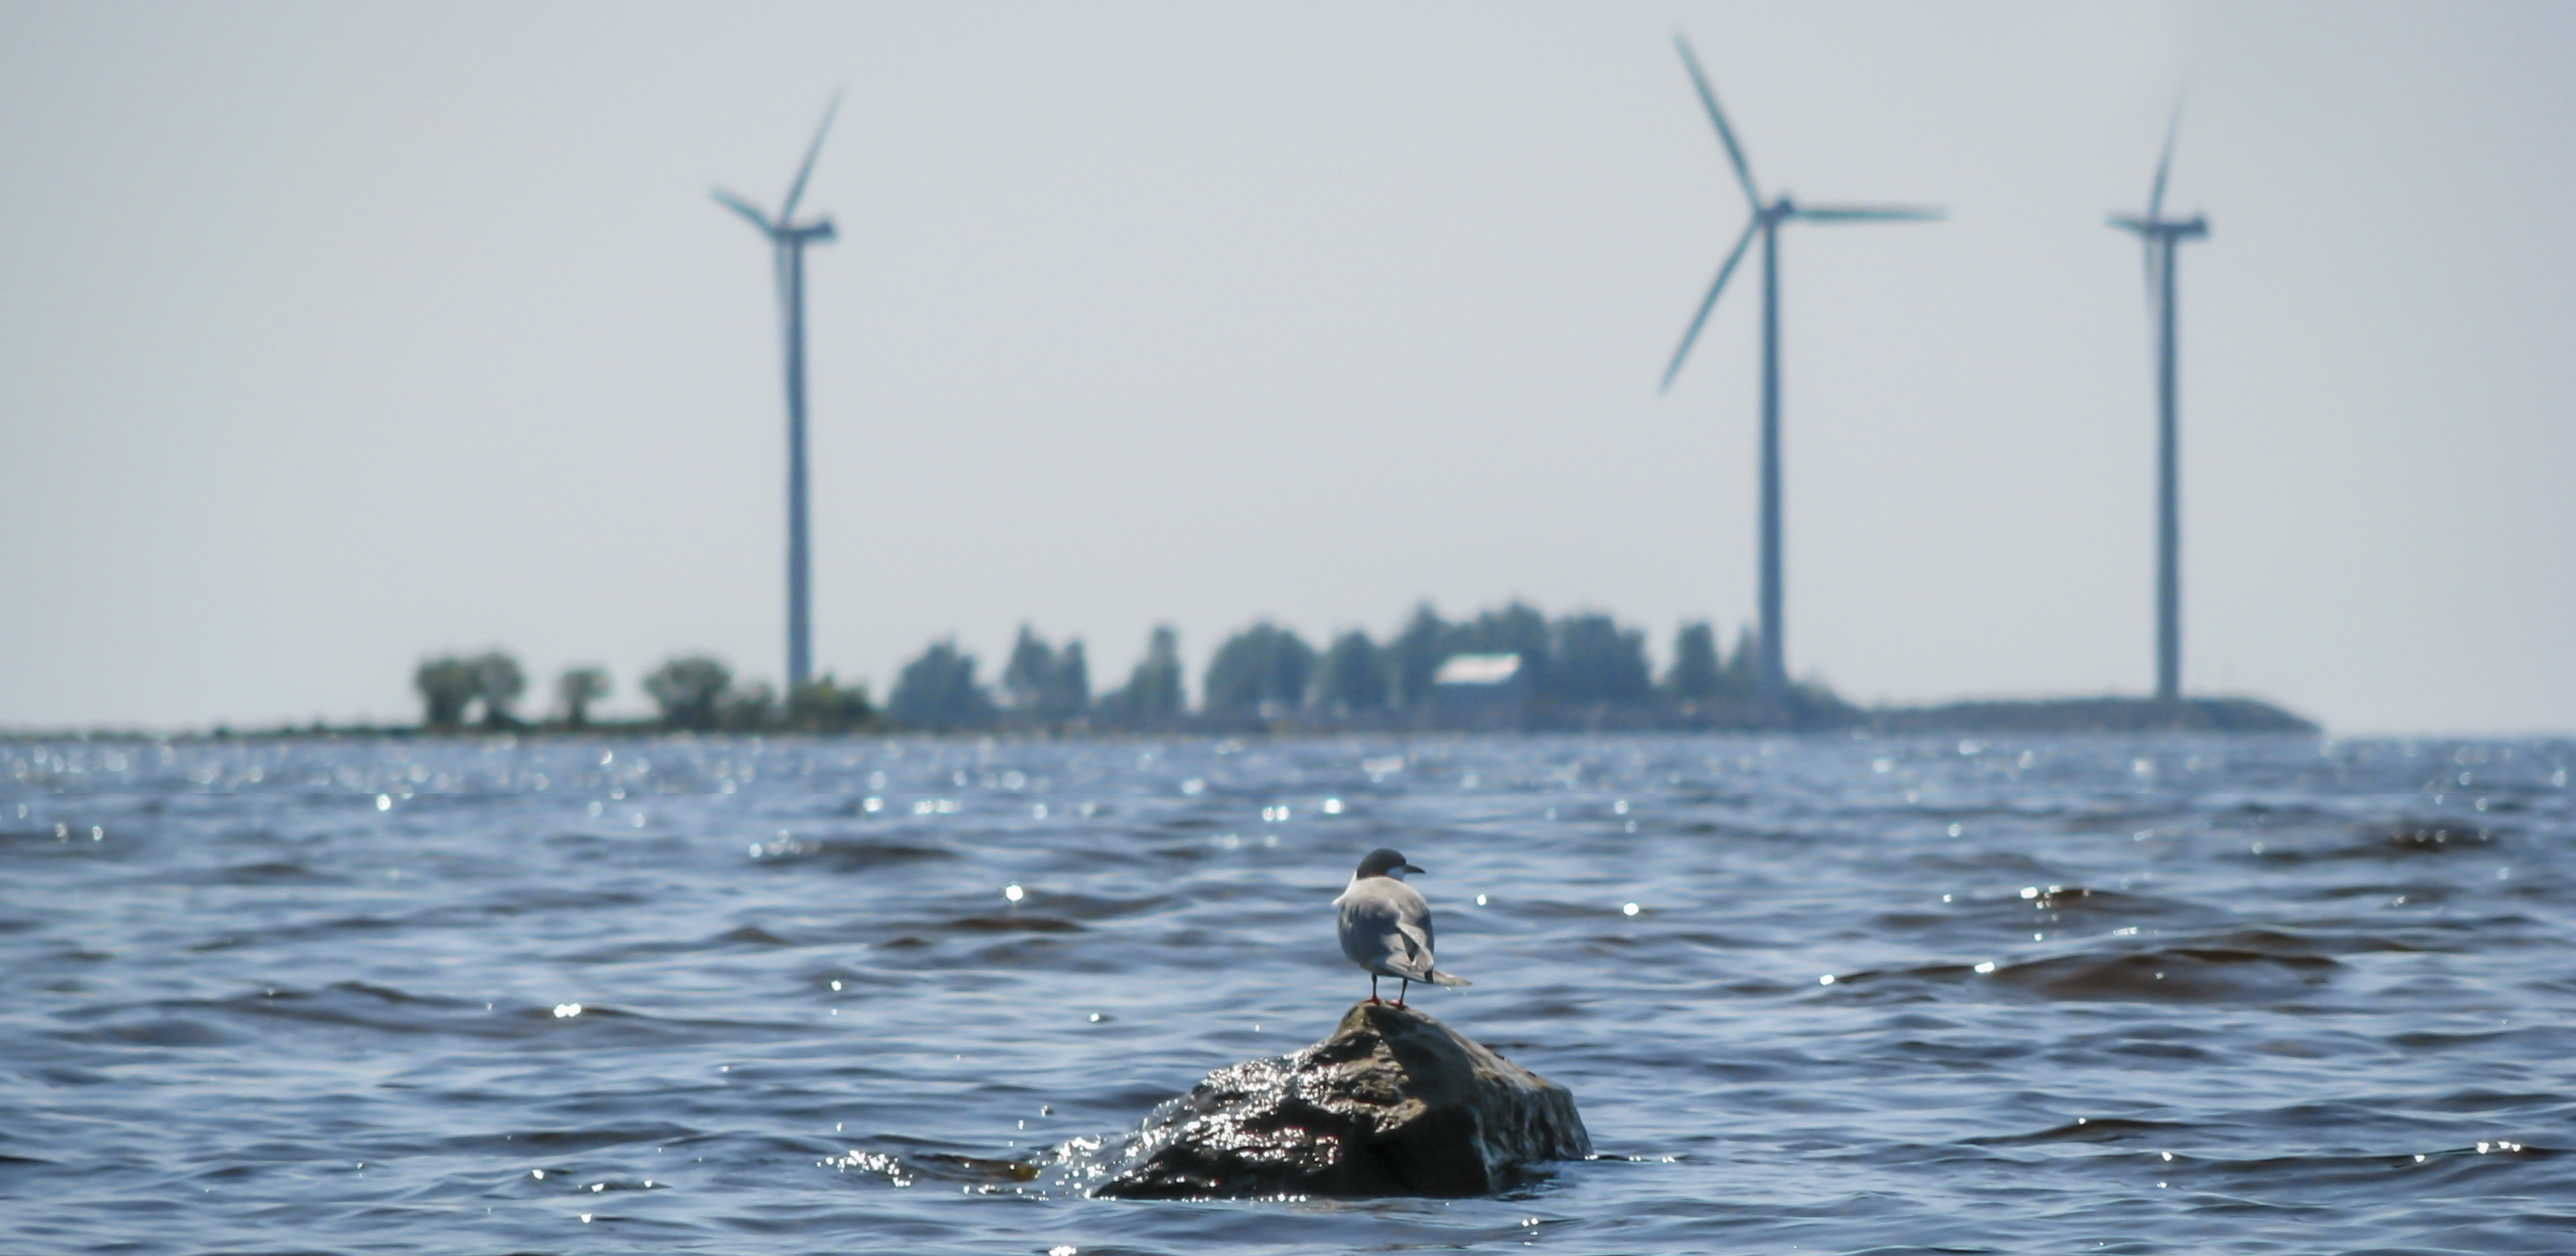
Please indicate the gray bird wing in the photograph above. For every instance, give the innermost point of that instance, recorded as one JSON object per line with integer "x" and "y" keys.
{"x": 1413, "y": 923}
{"x": 1385, "y": 928}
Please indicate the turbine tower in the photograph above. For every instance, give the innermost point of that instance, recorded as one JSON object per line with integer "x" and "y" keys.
{"x": 2160, "y": 235}
{"x": 788, "y": 239}
{"x": 1771, "y": 676}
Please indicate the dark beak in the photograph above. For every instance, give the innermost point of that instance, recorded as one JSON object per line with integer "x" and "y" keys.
{"x": 1416, "y": 871}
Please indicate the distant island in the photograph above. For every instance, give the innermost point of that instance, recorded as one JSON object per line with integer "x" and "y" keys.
{"x": 2109, "y": 714}
{"x": 1511, "y": 669}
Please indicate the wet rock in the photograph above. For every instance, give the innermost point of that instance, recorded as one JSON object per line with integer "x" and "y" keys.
{"x": 1393, "y": 1103}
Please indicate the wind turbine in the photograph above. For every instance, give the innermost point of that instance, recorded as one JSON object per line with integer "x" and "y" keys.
{"x": 2160, "y": 235}
{"x": 789, "y": 238}
{"x": 1771, "y": 676}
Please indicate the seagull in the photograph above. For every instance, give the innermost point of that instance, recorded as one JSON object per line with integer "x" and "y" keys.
{"x": 1386, "y": 927}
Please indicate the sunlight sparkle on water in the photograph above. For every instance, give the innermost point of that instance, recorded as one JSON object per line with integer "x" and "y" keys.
{"x": 517, "y": 889}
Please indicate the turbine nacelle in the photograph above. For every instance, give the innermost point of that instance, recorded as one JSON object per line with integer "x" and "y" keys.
{"x": 782, "y": 229}
{"x": 2191, "y": 228}
{"x": 778, "y": 231}
{"x": 1767, "y": 216}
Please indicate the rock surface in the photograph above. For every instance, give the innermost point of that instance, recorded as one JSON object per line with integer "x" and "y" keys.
{"x": 1393, "y": 1103}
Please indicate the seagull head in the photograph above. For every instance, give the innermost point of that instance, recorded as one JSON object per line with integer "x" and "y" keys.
{"x": 1384, "y": 862}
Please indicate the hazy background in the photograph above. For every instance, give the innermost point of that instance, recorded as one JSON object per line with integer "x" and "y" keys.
{"x": 333, "y": 335}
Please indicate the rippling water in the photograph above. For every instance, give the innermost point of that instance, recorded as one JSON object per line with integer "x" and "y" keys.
{"x": 2141, "y": 995}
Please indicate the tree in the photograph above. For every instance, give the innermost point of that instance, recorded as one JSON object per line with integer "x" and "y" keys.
{"x": 1695, "y": 674}
{"x": 1594, "y": 660}
{"x": 577, "y": 688}
{"x": 1070, "y": 695}
{"x": 1031, "y": 670}
{"x": 938, "y": 690}
{"x": 1045, "y": 682}
{"x": 1152, "y": 694}
{"x": 690, "y": 690}
{"x": 1746, "y": 663}
{"x": 748, "y": 708}
{"x": 1352, "y": 676}
{"x": 498, "y": 682}
{"x": 447, "y": 685}
{"x": 825, "y": 706}
{"x": 1264, "y": 668}
{"x": 1415, "y": 655}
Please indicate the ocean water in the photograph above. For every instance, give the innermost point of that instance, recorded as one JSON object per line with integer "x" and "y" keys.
{"x": 785, "y": 995}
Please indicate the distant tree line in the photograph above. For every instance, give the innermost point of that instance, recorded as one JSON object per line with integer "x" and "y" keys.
{"x": 1578, "y": 670}
{"x": 695, "y": 692}
{"x": 1583, "y": 669}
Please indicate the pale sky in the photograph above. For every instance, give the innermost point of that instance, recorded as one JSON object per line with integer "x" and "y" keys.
{"x": 335, "y": 335}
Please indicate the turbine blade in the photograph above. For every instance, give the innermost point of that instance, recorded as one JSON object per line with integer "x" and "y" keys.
{"x": 742, "y": 207}
{"x": 1869, "y": 213}
{"x": 2156, "y": 196}
{"x": 796, "y": 191}
{"x": 1708, "y": 97}
{"x": 1709, "y": 303}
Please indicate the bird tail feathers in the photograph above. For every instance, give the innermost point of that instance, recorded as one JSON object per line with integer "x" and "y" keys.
{"x": 1439, "y": 978}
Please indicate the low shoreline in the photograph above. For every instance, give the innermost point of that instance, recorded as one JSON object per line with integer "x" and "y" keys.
{"x": 2111, "y": 714}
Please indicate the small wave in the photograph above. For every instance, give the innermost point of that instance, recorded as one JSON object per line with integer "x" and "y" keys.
{"x": 2104, "y": 1129}
{"x": 2364, "y": 1168}
{"x": 833, "y": 854}
{"x": 2176, "y": 974}
{"x": 558, "y": 1141}
{"x": 909, "y": 1167}
{"x": 2401, "y": 838}
{"x": 2433, "y": 837}
{"x": 2283, "y": 942}
{"x": 737, "y": 938}
{"x": 2247, "y": 964}
{"x": 532, "y": 900}
{"x": 157, "y": 1031}
{"x": 265, "y": 872}
{"x": 1013, "y": 924}
{"x": 320, "y": 929}
{"x": 1090, "y": 907}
